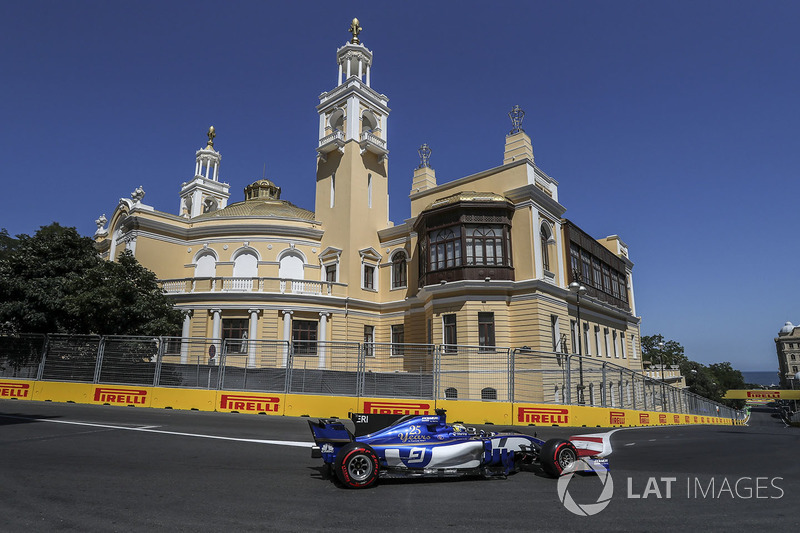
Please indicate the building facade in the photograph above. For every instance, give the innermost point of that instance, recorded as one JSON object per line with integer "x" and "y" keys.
{"x": 484, "y": 260}
{"x": 787, "y": 344}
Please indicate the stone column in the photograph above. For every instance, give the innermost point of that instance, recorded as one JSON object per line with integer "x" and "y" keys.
{"x": 287, "y": 334}
{"x": 323, "y": 338}
{"x": 185, "y": 333}
{"x": 251, "y": 345}
{"x": 216, "y": 333}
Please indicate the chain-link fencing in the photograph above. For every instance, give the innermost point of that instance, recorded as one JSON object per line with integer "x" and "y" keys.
{"x": 382, "y": 370}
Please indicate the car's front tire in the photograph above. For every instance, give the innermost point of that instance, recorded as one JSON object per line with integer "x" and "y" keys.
{"x": 557, "y": 455}
{"x": 356, "y": 466}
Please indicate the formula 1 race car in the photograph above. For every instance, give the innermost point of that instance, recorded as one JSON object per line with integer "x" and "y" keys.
{"x": 426, "y": 446}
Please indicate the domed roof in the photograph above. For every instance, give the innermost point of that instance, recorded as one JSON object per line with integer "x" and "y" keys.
{"x": 262, "y": 199}
{"x": 468, "y": 196}
{"x": 786, "y": 329}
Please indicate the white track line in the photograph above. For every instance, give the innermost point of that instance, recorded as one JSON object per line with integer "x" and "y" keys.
{"x": 148, "y": 430}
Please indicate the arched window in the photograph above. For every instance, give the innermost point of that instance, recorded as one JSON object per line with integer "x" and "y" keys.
{"x": 245, "y": 268}
{"x": 445, "y": 248}
{"x": 336, "y": 121}
{"x": 399, "y": 269}
{"x": 291, "y": 265}
{"x": 484, "y": 245}
{"x": 245, "y": 265}
{"x": 488, "y": 393}
{"x": 451, "y": 393}
{"x": 205, "y": 265}
{"x": 545, "y": 235}
{"x": 369, "y": 121}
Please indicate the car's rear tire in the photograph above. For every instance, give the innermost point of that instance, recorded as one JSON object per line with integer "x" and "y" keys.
{"x": 557, "y": 455}
{"x": 356, "y": 466}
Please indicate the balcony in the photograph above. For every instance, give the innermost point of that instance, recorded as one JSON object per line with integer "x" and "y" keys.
{"x": 372, "y": 143}
{"x": 252, "y": 285}
{"x": 331, "y": 142}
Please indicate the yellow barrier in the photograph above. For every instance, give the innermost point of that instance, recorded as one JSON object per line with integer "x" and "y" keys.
{"x": 185, "y": 399}
{"x": 121, "y": 395}
{"x": 767, "y": 395}
{"x": 15, "y": 389}
{"x": 477, "y": 412}
{"x": 260, "y": 403}
{"x": 471, "y": 412}
{"x": 394, "y": 406}
{"x": 320, "y": 406}
{"x": 53, "y": 391}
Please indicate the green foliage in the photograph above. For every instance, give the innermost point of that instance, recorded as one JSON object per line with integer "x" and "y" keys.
{"x": 671, "y": 354}
{"x": 711, "y": 381}
{"x": 7, "y": 243}
{"x": 54, "y": 282}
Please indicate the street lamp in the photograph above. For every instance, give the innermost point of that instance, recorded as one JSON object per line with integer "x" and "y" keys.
{"x": 578, "y": 289}
{"x": 661, "y": 358}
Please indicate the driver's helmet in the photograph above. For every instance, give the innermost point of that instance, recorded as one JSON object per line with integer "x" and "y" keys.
{"x": 459, "y": 428}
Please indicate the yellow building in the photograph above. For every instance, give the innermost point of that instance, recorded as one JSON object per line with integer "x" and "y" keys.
{"x": 484, "y": 260}
{"x": 787, "y": 344}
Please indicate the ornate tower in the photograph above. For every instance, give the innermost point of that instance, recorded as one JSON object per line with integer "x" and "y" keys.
{"x": 352, "y": 197}
{"x": 205, "y": 192}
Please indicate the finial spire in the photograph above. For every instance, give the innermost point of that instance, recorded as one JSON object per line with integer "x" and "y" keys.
{"x": 516, "y": 115}
{"x": 211, "y": 134}
{"x": 424, "y": 156}
{"x": 355, "y": 29}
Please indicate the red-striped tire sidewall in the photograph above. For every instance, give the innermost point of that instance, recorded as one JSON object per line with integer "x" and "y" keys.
{"x": 555, "y": 456}
{"x": 344, "y": 476}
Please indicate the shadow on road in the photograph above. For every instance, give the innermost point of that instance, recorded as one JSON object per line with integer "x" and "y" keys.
{"x": 7, "y": 419}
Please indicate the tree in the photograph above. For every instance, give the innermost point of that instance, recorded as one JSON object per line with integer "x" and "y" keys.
{"x": 671, "y": 354}
{"x": 7, "y": 243}
{"x": 710, "y": 382}
{"x": 55, "y": 282}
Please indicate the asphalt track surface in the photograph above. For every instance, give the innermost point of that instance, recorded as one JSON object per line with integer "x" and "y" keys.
{"x": 76, "y": 467}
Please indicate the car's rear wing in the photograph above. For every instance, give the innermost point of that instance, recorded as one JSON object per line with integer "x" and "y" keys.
{"x": 330, "y": 430}
{"x": 367, "y": 423}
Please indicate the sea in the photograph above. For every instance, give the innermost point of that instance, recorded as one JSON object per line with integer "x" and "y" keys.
{"x": 761, "y": 378}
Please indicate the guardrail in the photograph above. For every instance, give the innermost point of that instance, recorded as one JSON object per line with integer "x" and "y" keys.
{"x": 345, "y": 369}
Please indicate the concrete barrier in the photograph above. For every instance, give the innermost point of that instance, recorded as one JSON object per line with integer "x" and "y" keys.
{"x": 468, "y": 412}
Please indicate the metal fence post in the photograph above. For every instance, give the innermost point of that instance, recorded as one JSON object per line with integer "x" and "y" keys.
{"x": 289, "y": 351}
{"x": 99, "y": 363}
{"x": 360, "y": 371}
{"x": 510, "y": 370}
{"x": 45, "y": 347}
{"x": 568, "y": 387}
{"x": 159, "y": 357}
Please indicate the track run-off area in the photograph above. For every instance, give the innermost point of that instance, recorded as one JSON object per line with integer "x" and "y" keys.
{"x": 103, "y": 468}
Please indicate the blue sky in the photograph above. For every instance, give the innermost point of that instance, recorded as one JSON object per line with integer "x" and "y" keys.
{"x": 672, "y": 124}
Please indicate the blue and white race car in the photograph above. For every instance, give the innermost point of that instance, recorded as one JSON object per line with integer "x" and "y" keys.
{"x": 426, "y": 446}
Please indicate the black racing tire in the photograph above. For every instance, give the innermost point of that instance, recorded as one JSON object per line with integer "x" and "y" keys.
{"x": 556, "y": 456}
{"x": 356, "y": 466}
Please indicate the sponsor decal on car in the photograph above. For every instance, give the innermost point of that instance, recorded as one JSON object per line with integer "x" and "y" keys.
{"x": 14, "y": 390}
{"x": 397, "y": 408}
{"x": 249, "y": 402}
{"x": 542, "y": 415}
{"x": 115, "y": 395}
{"x": 616, "y": 417}
{"x": 327, "y": 448}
